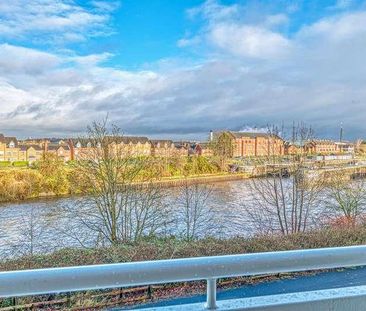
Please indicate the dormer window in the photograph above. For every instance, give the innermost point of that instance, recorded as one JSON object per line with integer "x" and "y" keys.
{"x": 78, "y": 145}
{"x": 99, "y": 145}
{"x": 88, "y": 144}
{"x": 11, "y": 144}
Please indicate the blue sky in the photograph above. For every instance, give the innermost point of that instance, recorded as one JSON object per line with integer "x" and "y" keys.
{"x": 179, "y": 68}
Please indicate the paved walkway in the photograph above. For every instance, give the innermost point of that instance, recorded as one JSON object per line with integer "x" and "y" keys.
{"x": 324, "y": 280}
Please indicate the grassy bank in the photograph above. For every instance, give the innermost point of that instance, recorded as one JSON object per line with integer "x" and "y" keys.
{"x": 52, "y": 177}
{"x": 171, "y": 248}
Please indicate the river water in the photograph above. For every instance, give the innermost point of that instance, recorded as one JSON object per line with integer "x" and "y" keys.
{"x": 39, "y": 225}
{"x": 42, "y": 225}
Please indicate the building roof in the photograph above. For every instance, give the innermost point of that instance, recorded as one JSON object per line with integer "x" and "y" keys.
{"x": 57, "y": 146}
{"x": 8, "y": 140}
{"x": 322, "y": 142}
{"x": 253, "y": 134}
{"x": 131, "y": 139}
{"x": 82, "y": 141}
{"x": 27, "y": 146}
{"x": 246, "y": 134}
{"x": 155, "y": 142}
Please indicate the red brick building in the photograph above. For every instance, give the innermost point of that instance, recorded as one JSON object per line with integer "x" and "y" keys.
{"x": 246, "y": 144}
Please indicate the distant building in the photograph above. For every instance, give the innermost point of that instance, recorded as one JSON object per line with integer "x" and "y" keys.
{"x": 201, "y": 149}
{"x": 162, "y": 148}
{"x": 361, "y": 146}
{"x": 61, "y": 150}
{"x": 9, "y": 149}
{"x": 246, "y": 144}
{"x": 33, "y": 152}
{"x": 182, "y": 148}
{"x": 294, "y": 148}
{"x": 321, "y": 146}
{"x": 345, "y": 147}
{"x": 135, "y": 146}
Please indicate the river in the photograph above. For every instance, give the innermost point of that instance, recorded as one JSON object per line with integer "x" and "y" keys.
{"x": 42, "y": 225}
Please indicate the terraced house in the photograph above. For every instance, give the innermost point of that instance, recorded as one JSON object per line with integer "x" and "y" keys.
{"x": 31, "y": 150}
{"x": 127, "y": 145}
{"x": 9, "y": 149}
{"x": 163, "y": 148}
{"x": 136, "y": 146}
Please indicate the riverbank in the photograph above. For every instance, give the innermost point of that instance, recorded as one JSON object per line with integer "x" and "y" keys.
{"x": 26, "y": 184}
{"x": 157, "y": 249}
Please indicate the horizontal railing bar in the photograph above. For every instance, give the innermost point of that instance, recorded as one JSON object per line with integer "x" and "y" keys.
{"x": 57, "y": 280}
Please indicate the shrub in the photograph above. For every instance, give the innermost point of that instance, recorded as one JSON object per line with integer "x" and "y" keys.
{"x": 19, "y": 184}
{"x": 20, "y": 163}
{"x": 5, "y": 163}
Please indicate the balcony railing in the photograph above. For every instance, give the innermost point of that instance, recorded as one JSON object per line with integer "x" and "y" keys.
{"x": 58, "y": 280}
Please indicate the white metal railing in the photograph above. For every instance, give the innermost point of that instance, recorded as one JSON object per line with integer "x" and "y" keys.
{"x": 57, "y": 280}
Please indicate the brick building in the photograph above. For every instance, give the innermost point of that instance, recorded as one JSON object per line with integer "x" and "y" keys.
{"x": 321, "y": 146}
{"x": 246, "y": 144}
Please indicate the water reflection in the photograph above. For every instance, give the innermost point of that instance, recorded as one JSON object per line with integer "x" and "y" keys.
{"x": 45, "y": 225}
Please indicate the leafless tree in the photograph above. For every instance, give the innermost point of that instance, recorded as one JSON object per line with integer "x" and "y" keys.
{"x": 287, "y": 198}
{"x": 346, "y": 198}
{"x": 30, "y": 238}
{"x": 195, "y": 216}
{"x": 122, "y": 203}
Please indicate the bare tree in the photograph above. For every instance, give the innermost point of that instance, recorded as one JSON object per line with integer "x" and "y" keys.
{"x": 196, "y": 218}
{"x": 287, "y": 198}
{"x": 346, "y": 197}
{"x": 122, "y": 203}
{"x": 30, "y": 238}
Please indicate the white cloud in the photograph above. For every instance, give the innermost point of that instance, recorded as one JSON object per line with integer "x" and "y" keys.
{"x": 249, "y": 41}
{"x": 214, "y": 11}
{"x": 338, "y": 27}
{"x": 55, "y": 20}
{"x": 189, "y": 41}
{"x": 252, "y": 75}
{"x": 276, "y": 20}
{"x": 92, "y": 59}
{"x": 15, "y": 59}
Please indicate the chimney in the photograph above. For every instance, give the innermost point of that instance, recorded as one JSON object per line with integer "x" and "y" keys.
{"x": 341, "y": 133}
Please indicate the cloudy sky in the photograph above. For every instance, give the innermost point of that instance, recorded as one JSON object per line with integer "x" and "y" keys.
{"x": 178, "y": 68}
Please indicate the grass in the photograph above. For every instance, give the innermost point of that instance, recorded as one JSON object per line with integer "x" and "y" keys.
{"x": 168, "y": 248}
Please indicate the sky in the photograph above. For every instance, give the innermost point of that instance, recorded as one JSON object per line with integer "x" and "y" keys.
{"x": 179, "y": 68}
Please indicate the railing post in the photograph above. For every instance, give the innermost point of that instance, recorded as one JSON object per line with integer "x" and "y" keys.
{"x": 211, "y": 294}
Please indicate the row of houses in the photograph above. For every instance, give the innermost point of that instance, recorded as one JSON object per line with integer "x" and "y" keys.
{"x": 247, "y": 144}
{"x": 244, "y": 144}
{"x": 31, "y": 150}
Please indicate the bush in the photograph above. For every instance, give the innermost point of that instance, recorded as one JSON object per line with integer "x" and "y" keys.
{"x": 5, "y": 163}
{"x": 19, "y": 184}
{"x": 169, "y": 248}
{"x": 54, "y": 175}
{"x": 20, "y": 163}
